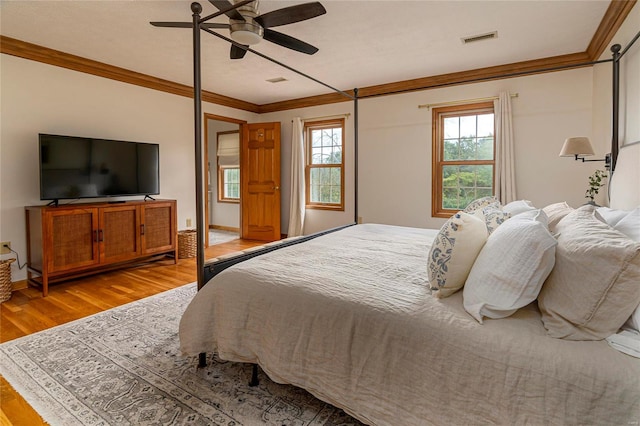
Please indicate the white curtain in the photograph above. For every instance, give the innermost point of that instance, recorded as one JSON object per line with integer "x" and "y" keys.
{"x": 297, "y": 201}
{"x": 505, "y": 173}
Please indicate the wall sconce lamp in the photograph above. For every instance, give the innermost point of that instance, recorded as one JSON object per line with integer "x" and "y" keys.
{"x": 580, "y": 147}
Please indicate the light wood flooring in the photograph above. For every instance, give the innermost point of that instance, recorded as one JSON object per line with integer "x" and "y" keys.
{"x": 28, "y": 312}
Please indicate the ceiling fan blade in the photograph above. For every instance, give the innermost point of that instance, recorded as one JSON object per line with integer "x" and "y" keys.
{"x": 291, "y": 14}
{"x": 237, "y": 52}
{"x": 226, "y": 4}
{"x": 289, "y": 42}
{"x": 187, "y": 25}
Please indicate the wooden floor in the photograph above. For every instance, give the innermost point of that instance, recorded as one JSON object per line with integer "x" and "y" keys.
{"x": 28, "y": 312}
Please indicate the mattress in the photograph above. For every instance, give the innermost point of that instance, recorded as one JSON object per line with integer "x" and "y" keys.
{"x": 349, "y": 317}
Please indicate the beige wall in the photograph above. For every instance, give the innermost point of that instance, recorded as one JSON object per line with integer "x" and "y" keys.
{"x": 395, "y": 147}
{"x": 395, "y": 137}
{"x": 39, "y": 98}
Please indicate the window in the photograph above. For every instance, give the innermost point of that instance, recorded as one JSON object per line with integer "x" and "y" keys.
{"x": 228, "y": 166}
{"x": 229, "y": 183}
{"x": 325, "y": 164}
{"x": 463, "y": 156}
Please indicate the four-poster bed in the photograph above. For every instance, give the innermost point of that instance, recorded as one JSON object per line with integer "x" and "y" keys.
{"x": 362, "y": 331}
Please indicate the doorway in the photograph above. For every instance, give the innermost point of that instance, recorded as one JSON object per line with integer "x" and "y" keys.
{"x": 222, "y": 216}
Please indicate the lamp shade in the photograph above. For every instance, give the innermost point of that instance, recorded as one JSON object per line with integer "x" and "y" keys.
{"x": 576, "y": 146}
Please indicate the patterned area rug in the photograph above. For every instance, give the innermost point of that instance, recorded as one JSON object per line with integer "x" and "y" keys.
{"x": 123, "y": 367}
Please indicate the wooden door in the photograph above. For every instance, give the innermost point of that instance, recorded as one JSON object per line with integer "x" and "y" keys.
{"x": 118, "y": 234}
{"x": 158, "y": 226}
{"x": 260, "y": 181}
{"x": 70, "y": 238}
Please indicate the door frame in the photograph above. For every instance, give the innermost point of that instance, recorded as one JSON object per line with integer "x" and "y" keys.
{"x": 215, "y": 117}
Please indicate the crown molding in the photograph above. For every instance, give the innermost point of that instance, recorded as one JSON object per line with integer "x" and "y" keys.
{"x": 615, "y": 15}
{"x": 536, "y": 66}
{"x": 34, "y": 52}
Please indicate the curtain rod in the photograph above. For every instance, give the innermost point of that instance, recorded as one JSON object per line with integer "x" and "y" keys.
{"x": 346, "y": 115}
{"x": 465, "y": 101}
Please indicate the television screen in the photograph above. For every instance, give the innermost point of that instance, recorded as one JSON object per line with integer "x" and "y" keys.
{"x": 76, "y": 167}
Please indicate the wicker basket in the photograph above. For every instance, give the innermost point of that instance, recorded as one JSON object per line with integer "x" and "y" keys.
{"x": 187, "y": 244}
{"x": 5, "y": 280}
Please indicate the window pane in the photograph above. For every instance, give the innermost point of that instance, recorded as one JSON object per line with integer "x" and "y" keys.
{"x": 468, "y": 148}
{"x": 485, "y": 148}
{"x": 452, "y": 128}
{"x": 325, "y": 185}
{"x": 450, "y": 199}
{"x": 316, "y": 138}
{"x": 467, "y": 195}
{"x": 485, "y": 125}
{"x": 467, "y": 176}
{"x": 484, "y": 176}
{"x": 463, "y": 184}
{"x": 451, "y": 150}
{"x": 450, "y": 176}
{"x": 468, "y": 126}
{"x": 231, "y": 183}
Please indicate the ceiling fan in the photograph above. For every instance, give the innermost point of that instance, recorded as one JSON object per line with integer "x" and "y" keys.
{"x": 248, "y": 27}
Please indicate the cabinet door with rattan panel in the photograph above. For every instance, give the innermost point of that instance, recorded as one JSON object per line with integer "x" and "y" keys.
{"x": 158, "y": 227}
{"x": 70, "y": 239}
{"x": 119, "y": 234}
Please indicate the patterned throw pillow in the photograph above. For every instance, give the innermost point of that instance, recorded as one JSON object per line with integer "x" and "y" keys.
{"x": 492, "y": 215}
{"x": 453, "y": 252}
{"x": 481, "y": 203}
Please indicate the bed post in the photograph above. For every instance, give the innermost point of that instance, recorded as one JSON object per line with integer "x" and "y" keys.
{"x": 355, "y": 153}
{"x": 254, "y": 376}
{"x": 196, "y": 8}
{"x": 616, "y": 106}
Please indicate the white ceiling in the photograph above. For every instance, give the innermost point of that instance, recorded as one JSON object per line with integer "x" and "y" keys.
{"x": 361, "y": 42}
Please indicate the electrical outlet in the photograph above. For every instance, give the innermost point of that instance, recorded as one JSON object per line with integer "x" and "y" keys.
{"x": 3, "y": 249}
{"x": 189, "y": 222}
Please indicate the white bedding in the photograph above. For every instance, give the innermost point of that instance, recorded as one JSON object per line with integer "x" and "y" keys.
{"x": 349, "y": 317}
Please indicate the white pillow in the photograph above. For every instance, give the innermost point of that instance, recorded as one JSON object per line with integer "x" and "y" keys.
{"x": 555, "y": 213}
{"x": 511, "y": 267}
{"x": 630, "y": 225}
{"x": 453, "y": 252}
{"x": 593, "y": 288}
{"x": 492, "y": 215}
{"x": 611, "y": 216}
{"x": 516, "y": 207}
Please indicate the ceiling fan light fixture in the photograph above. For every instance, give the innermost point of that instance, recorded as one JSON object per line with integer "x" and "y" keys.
{"x": 245, "y": 37}
{"x": 246, "y": 33}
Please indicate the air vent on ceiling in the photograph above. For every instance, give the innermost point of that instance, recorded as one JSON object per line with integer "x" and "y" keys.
{"x": 277, "y": 80}
{"x": 480, "y": 37}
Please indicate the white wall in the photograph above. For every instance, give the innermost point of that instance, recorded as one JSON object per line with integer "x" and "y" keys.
{"x": 394, "y": 137}
{"x": 629, "y": 125}
{"x": 220, "y": 213}
{"x": 395, "y": 147}
{"x": 39, "y": 98}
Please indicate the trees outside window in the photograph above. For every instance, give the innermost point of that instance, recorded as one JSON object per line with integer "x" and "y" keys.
{"x": 463, "y": 156}
{"x": 325, "y": 164}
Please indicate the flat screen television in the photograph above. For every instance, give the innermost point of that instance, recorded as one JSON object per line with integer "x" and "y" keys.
{"x": 74, "y": 167}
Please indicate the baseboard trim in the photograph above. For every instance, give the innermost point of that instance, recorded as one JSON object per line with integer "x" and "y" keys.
{"x": 224, "y": 228}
